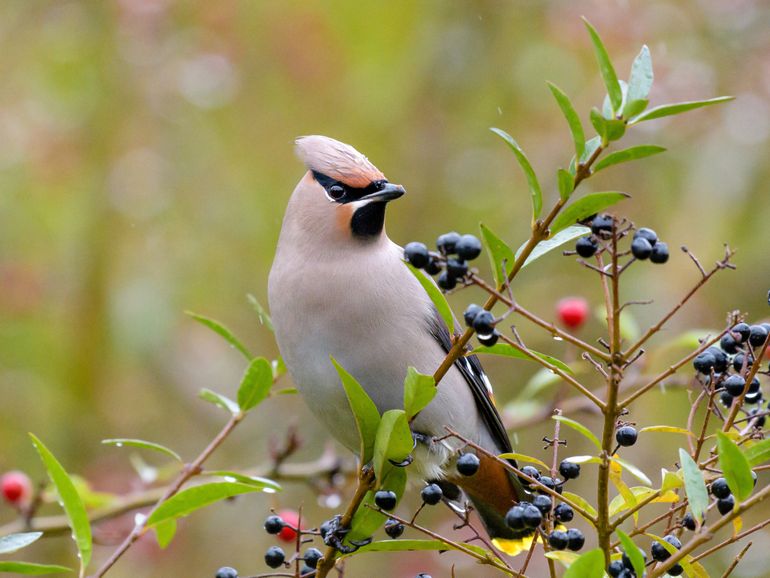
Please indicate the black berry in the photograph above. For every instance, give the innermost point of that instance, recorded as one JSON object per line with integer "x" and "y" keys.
{"x": 615, "y": 569}
{"x": 720, "y": 489}
{"x": 385, "y": 499}
{"x": 754, "y": 385}
{"x": 757, "y": 421}
{"x": 446, "y": 281}
{"x": 307, "y": 571}
{"x": 626, "y": 436}
{"x": 431, "y": 494}
{"x": 484, "y": 323}
{"x": 468, "y": 247}
{"x": 312, "y": 556}
{"x": 548, "y": 482}
{"x": 394, "y": 528}
{"x": 728, "y": 343}
{"x": 740, "y": 359}
{"x": 447, "y": 242}
{"x": 570, "y": 470}
{"x": 720, "y": 359}
{"x": 575, "y": 539}
{"x": 273, "y": 524}
{"x": 627, "y": 562}
{"x": 490, "y": 339}
{"x": 757, "y": 336}
{"x": 532, "y": 516}
{"x": 734, "y": 385}
{"x": 471, "y": 312}
{"x": 586, "y": 247}
{"x": 648, "y": 234}
{"x": 468, "y": 464}
{"x": 641, "y": 248}
{"x": 558, "y": 540}
{"x": 602, "y": 224}
{"x": 688, "y": 521}
{"x": 542, "y": 503}
{"x": 417, "y": 254}
{"x": 433, "y": 267}
{"x": 742, "y": 331}
{"x": 456, "y": 268}
{"x": 227, "y": 572}
{"x": 515, "y": 518}
{"x": 753, "y": 397}
{"x": 726, "y": 399}
{"x": 563, "y": 513}
{"x": 676, "y": 570}
{"x": 726, "y": 505}
{"x": 531, "y": 471}
{"x": 325, "y": 528}
{"x": 659, "y": 253}
{"x": 274, "y": 557}
{"x": 704, "y": 362}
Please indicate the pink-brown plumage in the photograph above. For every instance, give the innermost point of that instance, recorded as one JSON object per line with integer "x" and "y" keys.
{"x": 337, "y": 160}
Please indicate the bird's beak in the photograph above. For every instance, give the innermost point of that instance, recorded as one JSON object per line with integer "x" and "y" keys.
{"x": 389, "y": 192}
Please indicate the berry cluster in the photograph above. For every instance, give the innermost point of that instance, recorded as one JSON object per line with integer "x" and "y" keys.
{"x": 644, "y": 244}
{"x": 483, "y": 323}
{"x": 450, "y": 263}
{"x": 729, "y": 364}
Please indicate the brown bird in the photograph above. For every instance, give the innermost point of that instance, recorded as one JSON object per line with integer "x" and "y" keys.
{"x": 338, "y": 287}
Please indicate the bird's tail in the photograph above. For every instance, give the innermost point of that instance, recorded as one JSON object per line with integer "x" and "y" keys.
{"x": 493, "y": 490}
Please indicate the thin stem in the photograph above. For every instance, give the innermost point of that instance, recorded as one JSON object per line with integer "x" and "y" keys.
{"x": 737, "y": 560}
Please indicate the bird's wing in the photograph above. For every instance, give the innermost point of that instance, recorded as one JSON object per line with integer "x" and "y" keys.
{"x": 477, "y": 380}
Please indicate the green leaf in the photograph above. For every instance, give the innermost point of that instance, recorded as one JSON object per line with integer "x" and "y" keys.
{"x": 31, "y": 569}
{"x": 694, "y": 486}
{"x": 633, "y": 470}
{"x": 605, "y": 67}
{"x": 641, "y": 493}
{"x": 419, "y": 391}
{"x": 507, "y": 350}
{"x": 599, "y": 123}
{"x": 582, "y": 502}
{"x": 523, "y": 458}
{"x": 500, "y": 254}
{"x": 564, "y": 236}
{"x": 534, "y": 186}
{"x": 585, "y": 207}
{"x": 573, "y": 120}
{"x": 629, "y": 154}
{"x": 366, "y": 520}
{"x": 758, "y": 453}
{"x": 419, "y": 546}
{"x": 268, "y": 486}
{"x": 735, "y": 467}
{"x": 15, "y": 542}
{"x": 665, "y": 429}
{"x": 436, "y": 296}
{"x": 264, "y": 316}
{"x": 220, "y": 400}
{"x": 164, "y": 533}
{"x": 393, "y": 441}
{"x": 679, "y": 108}
{"x": 583, "y": 459}
{"x": 641, "y": 78}
{"x": 120, "y": 442}
{"x": 588, "y": 565}
{"x": 566, "y": 184}
{"x": 633, "y": 552}
{"x": 591, "y": 145}
{"x": 191, "y": 499}
{"x": 77, "y": 518}
{"x": 565, "y": 557}
{"x": 634, "y": 107}
{"x": 365, "y": 412}
{"x": 255, "y": 384}
{"x": 580, "y": 428}
{"x": 223, "y": 331}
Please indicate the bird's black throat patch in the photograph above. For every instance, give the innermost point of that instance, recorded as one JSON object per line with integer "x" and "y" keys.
{"x": 368, "y": 221}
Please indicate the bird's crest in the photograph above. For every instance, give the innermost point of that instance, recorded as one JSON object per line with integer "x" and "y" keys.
{"x": 337, "y": 160}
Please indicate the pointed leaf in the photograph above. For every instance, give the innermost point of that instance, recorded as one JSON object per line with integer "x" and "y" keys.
{"x": 419, "y": 391}
{"x": 566, "y": 184}
{"x": 269, "y": 486}
{"x": 436, "y": 296}
{"x": 582, "y": 502}
{"x": 255, "y": 384}
{"x": 500, "y": 254}
{"x": 573, "y": 120}
{"x": 694, "y": 486}
{"x": 534, "y": 186}
{"x": 31, "y": 569}
{"x": 580, "y": 428}
{"x": 633, "y": 552}
{"x": 588, "y": 565}
{"x": 418, "y": 546}
{"x": 15, "y": 542}
{"x": 393, "y": 442}
{"x": 672, "y": 109}
{"x": 507, "y": 350}
{"x": 735, "y": 467}
{"x": 365, "y": 412}
{"x": 555, "y": 241}
{"x": 77, "y": 518}
{"x": 629, "y": 154}
{"x": 617, "y": 480}
{"x": 758, "y": 453}
{"x": 262, "y": 314}
{"x": 583, "y": 460}
{"x": 640, "y": 81}
{"x": 564, "y": 556}
{"x": 523, "y": 458}
{"x": 599, "y": 123}
{"x": 191, "y": 499}
{"x": 164, "y": 533}
{"x": 634, "y": 107}
{"x": 220, "y": 400}
{"x": 585, "y": 207}
{"x": 221, "y": 330}
{"x": 665, "y": 429}
{"x": 633, "y": 470}
{"x": 121, "y": 442}
{"x": 605, "y": 67}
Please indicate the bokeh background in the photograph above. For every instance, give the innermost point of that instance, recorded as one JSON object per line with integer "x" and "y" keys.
{"x": 146, "y": 159}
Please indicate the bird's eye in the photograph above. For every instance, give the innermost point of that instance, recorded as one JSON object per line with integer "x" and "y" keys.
{"x": 336, "y": 192}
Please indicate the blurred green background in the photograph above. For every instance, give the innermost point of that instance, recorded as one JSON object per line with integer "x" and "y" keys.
{"x": 146, "y": 159}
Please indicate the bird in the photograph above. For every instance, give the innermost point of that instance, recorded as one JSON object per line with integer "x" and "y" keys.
{"x": 338, "y": 288}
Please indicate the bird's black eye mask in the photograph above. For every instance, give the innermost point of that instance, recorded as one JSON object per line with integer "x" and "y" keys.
{"x": 342, "y": 193}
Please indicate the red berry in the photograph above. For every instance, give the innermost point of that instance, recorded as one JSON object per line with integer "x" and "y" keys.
{"x": 16, "y": 487}
{"x": 572, "y": 311}
{"x": 291, "y": 521}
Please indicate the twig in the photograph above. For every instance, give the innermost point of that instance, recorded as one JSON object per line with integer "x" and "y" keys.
{"x": 737, "y": 560}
